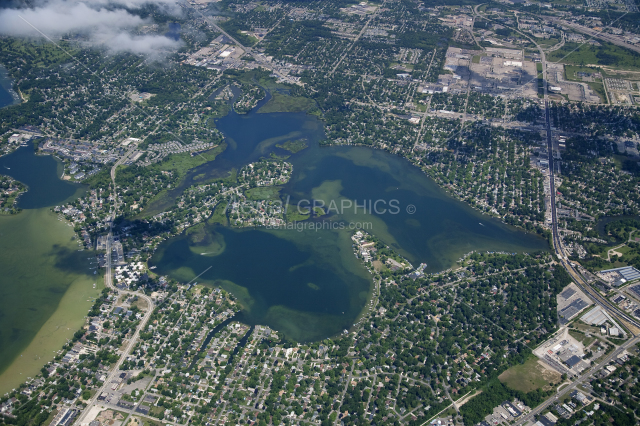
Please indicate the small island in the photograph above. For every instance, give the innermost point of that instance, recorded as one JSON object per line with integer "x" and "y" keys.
{"x": 293, "y": 146}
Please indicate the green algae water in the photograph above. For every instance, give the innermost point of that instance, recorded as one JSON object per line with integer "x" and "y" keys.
{"x": 46, "y": 283}
{"x": 308, "y": 283}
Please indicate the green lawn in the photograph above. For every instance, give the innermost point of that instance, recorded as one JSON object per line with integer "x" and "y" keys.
{"x": 594, "y": 331}
{"x": 156, "y": 411}
{"x": 529, "y": 376}
{"x": 624, "y": 250}
{"x": 547, "y": 42}
{"x": 149, "y": 422}
{"x": 284, "y": 103}
{"x": 599, "y": 89}
{"x": 571, "y": 74}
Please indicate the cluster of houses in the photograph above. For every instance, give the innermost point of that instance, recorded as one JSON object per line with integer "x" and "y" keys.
{"x": 157, "y": 152}
{"x": 129, "y": 274}
{"x": 365, "y": 247}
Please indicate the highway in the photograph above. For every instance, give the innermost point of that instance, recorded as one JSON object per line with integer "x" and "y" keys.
{"x": 611, "y": 38}
{"x": 626, "y": 320}
{"x": 580, "y": 281}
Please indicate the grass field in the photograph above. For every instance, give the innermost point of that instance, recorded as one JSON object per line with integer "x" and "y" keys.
{"x": 284, "y": 103}
{"x": 263, "y": 193}
{"x": 529, "y": 376}
{"x": 606, "y": 54}
{"x": 586, "y": 328}
{"x": 582, "y": 338}
{"x": 571, "y": 72}
{"x": 599, "y": 89}
{"x": 539, "y": 79}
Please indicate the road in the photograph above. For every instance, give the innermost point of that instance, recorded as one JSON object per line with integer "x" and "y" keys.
{"x": 577, "y": 277}
{"x": 108, "y": 281}
{"x": 362, "y": 31}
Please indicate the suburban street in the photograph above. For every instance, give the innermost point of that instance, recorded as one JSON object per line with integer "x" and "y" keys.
{"x": 108, "y": 281}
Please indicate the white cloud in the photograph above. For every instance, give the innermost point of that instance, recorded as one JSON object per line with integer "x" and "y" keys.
{"x": 103, "y": 21}
{"x": 141, "y": 44}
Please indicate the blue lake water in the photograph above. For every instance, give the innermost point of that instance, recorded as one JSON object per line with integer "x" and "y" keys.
{"x": 41, "y": 174}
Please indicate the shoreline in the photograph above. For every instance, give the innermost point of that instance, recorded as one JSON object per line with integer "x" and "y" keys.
{"x": 7, "y": 83}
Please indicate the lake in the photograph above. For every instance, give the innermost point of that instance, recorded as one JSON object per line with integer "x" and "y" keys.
{"x": 308, "y": 283}
{"x": 295, "y": 282}
{"x": 46, "y": 283}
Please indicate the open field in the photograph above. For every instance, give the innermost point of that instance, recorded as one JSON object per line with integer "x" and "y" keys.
{"x": 571, "y": 72}
{"x": 579, "y": 325}
{"x": 606, "y": 54}
{"x": 263, "y": 193}
{"x": 546, "y": 42}
{"x": 529, "y": 376}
